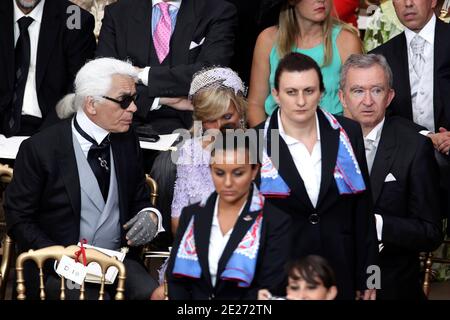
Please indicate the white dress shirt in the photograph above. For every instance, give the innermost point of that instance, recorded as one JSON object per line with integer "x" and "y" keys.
{"x": 373, "y": 139}
{"x": 30, "y": 105}
{"x": 217, "y": 243}
{"x": 173, "y": 11}
{"x": 422, "y": 85}
{"x": 309, "y": 166}
{"x": 99, "y": 134}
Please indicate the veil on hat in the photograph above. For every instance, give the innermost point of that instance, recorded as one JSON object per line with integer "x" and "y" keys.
{"x": 217, "y": 77}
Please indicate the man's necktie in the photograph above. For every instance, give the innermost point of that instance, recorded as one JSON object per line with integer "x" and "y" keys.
{"x": 99, "y": 159}
{"x": 22, "y": 54}
{"x": 161, "y": 36}
{"x": 418, "y": 59}
{"x": 370, "y": 153}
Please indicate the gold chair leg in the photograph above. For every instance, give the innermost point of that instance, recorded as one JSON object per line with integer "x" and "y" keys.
{"x": 8, "y": 253}
{"x": 426, "y": 281}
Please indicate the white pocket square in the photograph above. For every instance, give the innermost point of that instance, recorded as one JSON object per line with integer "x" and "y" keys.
{"x": 390, "y": 177}
{"x": 195, "y": 44}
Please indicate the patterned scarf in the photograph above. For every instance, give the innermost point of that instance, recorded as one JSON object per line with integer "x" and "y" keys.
{"x": 242, "y": 263}
{"x": 347, "y": 173}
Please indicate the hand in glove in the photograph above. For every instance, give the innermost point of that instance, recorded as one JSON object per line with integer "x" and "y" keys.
{"x": 143, "y": 228}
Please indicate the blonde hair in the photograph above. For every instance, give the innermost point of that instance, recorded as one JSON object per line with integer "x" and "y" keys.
{"x": 288, "y": 30}
{"x": 212, "y": 103}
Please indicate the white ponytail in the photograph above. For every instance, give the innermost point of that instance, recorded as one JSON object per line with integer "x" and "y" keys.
{"x": 66, "y": 106}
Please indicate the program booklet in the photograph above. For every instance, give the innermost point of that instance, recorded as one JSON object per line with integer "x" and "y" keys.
{"x": 94, "y": 272}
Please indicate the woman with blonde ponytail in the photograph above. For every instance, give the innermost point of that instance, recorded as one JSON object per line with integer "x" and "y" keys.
{"x": 305, "y": 26}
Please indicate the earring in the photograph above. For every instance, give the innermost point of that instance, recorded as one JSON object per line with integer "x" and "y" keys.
{"x": 242, "y": 124}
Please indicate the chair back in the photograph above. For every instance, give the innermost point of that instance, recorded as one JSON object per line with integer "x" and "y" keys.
{"x": 7, "y": 245}
{"x": 153, "y": 185}
{"x": 56, "y": 253}
{"x": 428, "y": 259}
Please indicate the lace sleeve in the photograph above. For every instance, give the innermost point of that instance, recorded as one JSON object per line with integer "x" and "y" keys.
{"x": 181, "y": 191}
{"x": 193, "y": 182}
{"x": 182, "y": 186}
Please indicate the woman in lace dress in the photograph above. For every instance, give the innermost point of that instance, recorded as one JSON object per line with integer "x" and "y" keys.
{"x": 217, "y": 95}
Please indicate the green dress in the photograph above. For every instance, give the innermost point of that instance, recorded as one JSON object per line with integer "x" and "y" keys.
{"x": 330, "y": 99}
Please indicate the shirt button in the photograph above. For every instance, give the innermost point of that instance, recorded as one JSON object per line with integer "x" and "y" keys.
{"x": 314, "y": 218}
{"x": 422, "y": 93}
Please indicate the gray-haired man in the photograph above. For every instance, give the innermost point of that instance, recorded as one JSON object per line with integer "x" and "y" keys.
{"x": 403, "y": 173}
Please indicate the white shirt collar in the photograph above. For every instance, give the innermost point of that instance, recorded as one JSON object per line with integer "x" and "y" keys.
{"x": 36, "y": 13}
{"x": 290, "y": 140}
{"x": 215, "y": 221}
{"x": 426, "y": 33}
{"x": 375, "y": 133}
{"x": 175, "y": 3}
{"x": 93, "y": 130}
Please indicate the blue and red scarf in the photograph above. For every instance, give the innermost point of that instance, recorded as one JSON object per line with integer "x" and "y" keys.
{"x": 347, "y": 173}
{"x": 242, "y": 263}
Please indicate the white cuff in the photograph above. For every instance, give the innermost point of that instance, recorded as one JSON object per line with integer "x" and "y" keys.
{"x": 143, "y": 75}
{"x": 155, "y": 105}
{"x": 425, "y": 132}
{"x": 379, "y": 225}
{"x": 158, "y": 215}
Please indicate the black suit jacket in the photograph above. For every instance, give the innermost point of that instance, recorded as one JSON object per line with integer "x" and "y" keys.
{"x": 345, "y": 234}
{"x": 273, "y": 252}
{"x": 126, "y": 34}
{"x": 61, "y": 53}
{"x": 396, "y": 54}
{"x": 409, "y": 206}
{"x": 43, "y": 200}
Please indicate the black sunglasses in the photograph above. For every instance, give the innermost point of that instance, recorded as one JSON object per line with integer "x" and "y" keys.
{"x": 125, "y": 102}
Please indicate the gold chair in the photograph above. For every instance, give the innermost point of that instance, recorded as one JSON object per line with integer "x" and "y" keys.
{"x": 428, "y": 260}
{"x": 56, "y": 253}
{"x": 6, "y": 174}
{"x": 149, "y": 247}
{"x": 7, "y": 255}
{"x": 153, "y": 185}
{"x": 151, "y": 251}
{"x": 7, "y": 245}
{"x": 159, "y": 255}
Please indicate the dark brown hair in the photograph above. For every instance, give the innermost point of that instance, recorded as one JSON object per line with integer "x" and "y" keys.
{"x": 297, "y": 62}
{"x": 312, "y": 268}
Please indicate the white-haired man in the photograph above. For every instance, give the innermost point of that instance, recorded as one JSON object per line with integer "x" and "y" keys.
{"x": 82, "y": 178}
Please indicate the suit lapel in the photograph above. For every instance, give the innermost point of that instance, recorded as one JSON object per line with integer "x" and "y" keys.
{"x": 241, "y": 227}
{"x": 182, "y": 34}
{"x": 401, "y": 71}
{"x": 287, "y": 169}
{"x": 440, "y": 56}
{"x": 121, "y": 173}
{"x": 90, "y": 184}
{"x": 48, "y": 36}
{"x": 383, "y": 159}
{"x": 140, "y": 38}
{"x": 7, "y": 39}
{"x": 202, "y": 231}
{"x": 68, "y": 166}
{"x": 329, "y": 141}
